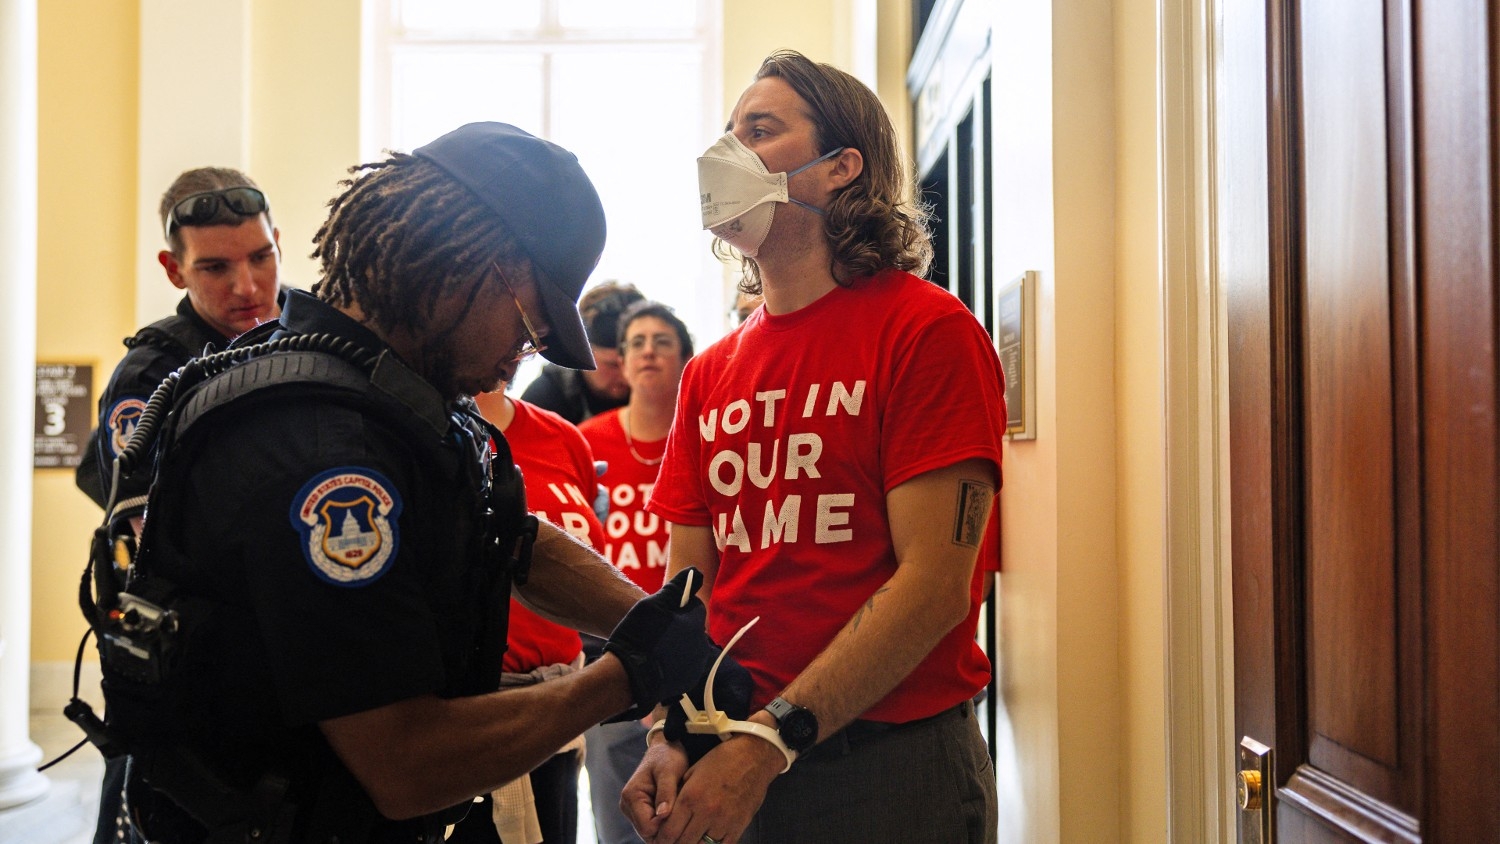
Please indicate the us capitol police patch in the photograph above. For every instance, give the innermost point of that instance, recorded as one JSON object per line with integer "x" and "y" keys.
{"x": 122, "y": 421}
{"x": 347, "y": 519}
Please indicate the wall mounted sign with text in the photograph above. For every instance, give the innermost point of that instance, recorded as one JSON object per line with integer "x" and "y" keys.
{"x": 1015, "y": 340}
{"x": 65, "y": 414}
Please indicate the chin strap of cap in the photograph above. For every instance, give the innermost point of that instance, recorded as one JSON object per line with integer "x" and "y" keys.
{"x": 711, "y": 720}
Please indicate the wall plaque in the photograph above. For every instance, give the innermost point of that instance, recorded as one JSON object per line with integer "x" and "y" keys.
{"x": 1015, "y": 340}
{"x": 65, "y": 414}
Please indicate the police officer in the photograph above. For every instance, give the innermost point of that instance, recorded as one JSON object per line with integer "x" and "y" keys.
{"x": 330, "y": 520}
{"x": 222, "y": 249}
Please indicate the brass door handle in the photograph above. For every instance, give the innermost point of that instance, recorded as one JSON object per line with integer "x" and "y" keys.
{"x": 1253, "y": 786}
{"x": 1248, "y": 790}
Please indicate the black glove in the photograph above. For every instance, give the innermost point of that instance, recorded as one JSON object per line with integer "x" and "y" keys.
{"x": 663, "y": 645}
{"x": 732, "y": 689}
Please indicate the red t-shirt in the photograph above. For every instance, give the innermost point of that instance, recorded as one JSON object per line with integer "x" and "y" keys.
{"x": 558, "y": 467}
{"x": 634, "y": 540}
{"x": 789, "y": 433}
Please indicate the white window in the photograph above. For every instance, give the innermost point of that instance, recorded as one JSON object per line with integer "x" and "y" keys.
{"x": 632, "y": 88}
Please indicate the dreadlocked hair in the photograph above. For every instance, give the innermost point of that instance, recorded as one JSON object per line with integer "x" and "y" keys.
{"x": 401, "y": 235}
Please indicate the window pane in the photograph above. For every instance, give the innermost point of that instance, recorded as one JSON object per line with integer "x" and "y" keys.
{"x": 634, "y": 119}
{"x": 636, "y": 14}
{"x": 621, "y": 84}
{"x": 436, "y": 90}
{"x": 449, "y": 16}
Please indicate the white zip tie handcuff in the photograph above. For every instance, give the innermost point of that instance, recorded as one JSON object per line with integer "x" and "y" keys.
{"x": 712, "y": 720}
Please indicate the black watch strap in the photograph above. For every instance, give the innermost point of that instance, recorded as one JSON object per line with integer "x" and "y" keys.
{"x": 779, "y": 707}
{"x": 797, "y": 725}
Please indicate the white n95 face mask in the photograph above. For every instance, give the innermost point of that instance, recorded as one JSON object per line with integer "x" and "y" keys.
{"x": 739, "y": 194}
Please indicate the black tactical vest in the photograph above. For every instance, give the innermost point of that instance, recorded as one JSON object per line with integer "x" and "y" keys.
{"x": 157, "y": 639}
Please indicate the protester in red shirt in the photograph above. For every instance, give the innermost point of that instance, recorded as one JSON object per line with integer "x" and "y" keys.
{"x": 654, "y": 347}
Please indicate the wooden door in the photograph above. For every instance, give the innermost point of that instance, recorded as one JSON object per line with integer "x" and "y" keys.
{"x": 1363, "y": 422}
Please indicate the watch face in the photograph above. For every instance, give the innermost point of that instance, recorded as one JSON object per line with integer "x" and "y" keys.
{"x": 799, "y": 729}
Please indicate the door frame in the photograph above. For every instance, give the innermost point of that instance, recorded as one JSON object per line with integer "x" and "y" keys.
{"x": 1198, "y": 599}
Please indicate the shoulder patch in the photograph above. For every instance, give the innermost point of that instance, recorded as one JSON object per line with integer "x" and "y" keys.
{"x": 122, "y": 420}
{"x": 347, "y": 519}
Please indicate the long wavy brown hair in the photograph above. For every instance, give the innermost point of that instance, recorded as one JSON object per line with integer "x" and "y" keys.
{"x": 875, "y": 222}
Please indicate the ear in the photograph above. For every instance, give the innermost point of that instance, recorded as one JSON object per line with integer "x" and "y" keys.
{"x": 276, "y": 239}
{"x": 847, "y": 166}
{"x": 169, "y": 263}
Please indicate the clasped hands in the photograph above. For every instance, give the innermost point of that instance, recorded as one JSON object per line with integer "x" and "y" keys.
{"x": 671, "y": 799}
{"x": 663, "y": 644}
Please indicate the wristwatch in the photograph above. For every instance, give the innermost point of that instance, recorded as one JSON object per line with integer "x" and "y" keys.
{"x": 797, "y": 725}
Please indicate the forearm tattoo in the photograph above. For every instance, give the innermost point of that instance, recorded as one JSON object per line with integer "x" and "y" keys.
{"x": 974, "y": 500}
{"x": 869, "y": 604}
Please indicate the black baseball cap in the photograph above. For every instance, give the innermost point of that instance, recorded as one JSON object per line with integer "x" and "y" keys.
{"x": 547, "y": 203}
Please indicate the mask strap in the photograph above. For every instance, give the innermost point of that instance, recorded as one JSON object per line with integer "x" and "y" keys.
{"x": 820, "y": 159}
{"x": 819, "y": 211}
{"x": 824, "y": 157}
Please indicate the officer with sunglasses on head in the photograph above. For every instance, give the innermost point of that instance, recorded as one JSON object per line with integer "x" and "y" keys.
{"x": 223, "y": 251}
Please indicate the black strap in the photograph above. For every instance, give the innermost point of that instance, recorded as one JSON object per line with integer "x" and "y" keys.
{"x": 388, "y": 382}
{"x": 176, "y": 333}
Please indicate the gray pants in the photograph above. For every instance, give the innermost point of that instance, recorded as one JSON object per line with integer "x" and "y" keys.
{"x": 930, "y": 781}
{"x": 614, "y": 751}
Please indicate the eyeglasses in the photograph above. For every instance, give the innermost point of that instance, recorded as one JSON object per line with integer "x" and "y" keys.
{"x": 201, "y": 208}
{"x": 531, "y": 344}
{"x": 659, "y": 343}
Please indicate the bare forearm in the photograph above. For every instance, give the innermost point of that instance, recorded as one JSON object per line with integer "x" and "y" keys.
{"x": 574, "y": 586}
{"x": 885, "y": 640}
{"x": 929, "y": 594}
{"x": 421, "y": 755}
{"x": 693, "y": 545}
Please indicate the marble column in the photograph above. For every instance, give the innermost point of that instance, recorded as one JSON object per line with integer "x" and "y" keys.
{"x": 19, "y": 780}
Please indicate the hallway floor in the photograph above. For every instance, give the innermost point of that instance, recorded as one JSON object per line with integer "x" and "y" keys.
{"x": 66, "y": 814}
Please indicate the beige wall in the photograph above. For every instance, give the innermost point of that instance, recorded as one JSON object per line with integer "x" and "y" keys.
{"x": 1140, "y": 441}
{"x": 753, "y": 30}
{"x": 1088, "y": 596}
{"x": 86, "y": 163}
{"x": 304, "y": 102}
{"x": 1075, "y": 151}
{"x": 1023, "y": 239}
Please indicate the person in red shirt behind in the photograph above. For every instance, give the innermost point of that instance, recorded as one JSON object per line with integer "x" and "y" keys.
{"x": 654, "y": 348}
{"x": 558, "y": 469}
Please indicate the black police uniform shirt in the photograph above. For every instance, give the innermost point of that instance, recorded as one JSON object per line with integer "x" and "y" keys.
{"x": 339, "y": 557}
{"x": 154, "y": 352}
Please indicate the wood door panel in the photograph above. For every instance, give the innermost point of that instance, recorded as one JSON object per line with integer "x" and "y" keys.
{"x": 1364, "y": 431}
{"x": 1350, "y": 529}
{"x": 1457, "y": 45}
{"x": 1316, "y": 807}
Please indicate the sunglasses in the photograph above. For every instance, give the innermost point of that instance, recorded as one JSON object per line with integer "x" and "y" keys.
{"x": 200, "y": 209}
{"x": 530, "y": 345}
